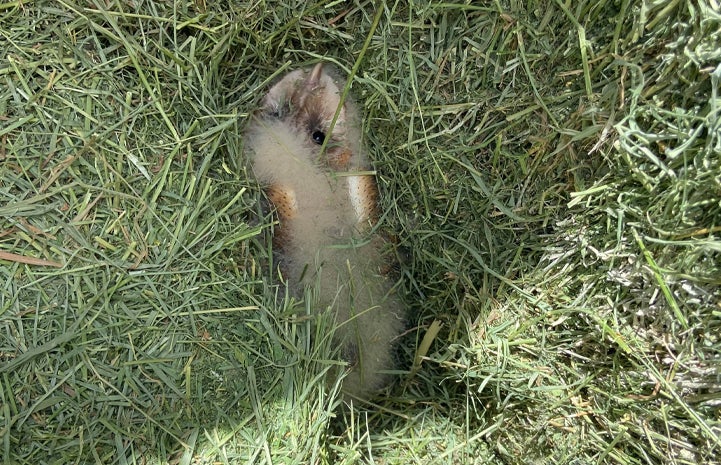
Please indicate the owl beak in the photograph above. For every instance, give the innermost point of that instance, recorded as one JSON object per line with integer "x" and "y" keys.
{"x": 313, "y": 79}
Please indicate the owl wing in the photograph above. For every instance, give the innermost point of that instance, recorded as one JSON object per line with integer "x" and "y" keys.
{"x": 363, "y": 193}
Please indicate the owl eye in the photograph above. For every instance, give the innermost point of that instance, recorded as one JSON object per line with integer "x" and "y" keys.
{"x": 318, "y": 137}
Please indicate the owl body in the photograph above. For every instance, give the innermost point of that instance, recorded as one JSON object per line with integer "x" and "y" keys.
{"x": 317, "y": 180}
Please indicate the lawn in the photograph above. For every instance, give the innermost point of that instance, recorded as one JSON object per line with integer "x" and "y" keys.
{"x": 551, "y": 172}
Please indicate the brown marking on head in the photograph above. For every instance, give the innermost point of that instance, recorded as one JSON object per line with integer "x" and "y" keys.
{"x": 339, "y": 158}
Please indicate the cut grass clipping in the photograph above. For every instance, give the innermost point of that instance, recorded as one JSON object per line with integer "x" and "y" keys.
{"x": 552, "y": 171}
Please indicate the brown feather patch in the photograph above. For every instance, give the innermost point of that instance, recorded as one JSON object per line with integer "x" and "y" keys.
{"x": 363, "y": 192}
{"x": 284, "y": 201}
{"x": 286, "y": 206}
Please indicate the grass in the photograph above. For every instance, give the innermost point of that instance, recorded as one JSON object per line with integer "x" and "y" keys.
{"x": 552, "y": 171}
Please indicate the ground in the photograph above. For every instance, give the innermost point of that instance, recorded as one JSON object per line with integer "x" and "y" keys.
{"x": 551, "y": 171}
